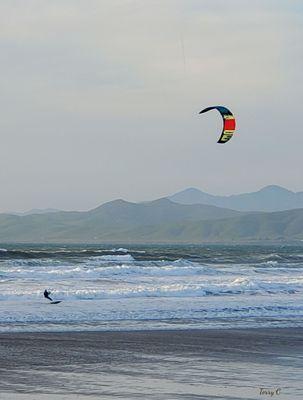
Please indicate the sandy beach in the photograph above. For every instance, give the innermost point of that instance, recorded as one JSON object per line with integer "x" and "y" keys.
{"x": 192, "y": 364}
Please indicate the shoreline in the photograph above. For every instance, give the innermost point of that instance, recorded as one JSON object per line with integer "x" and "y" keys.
{"x": 154, "y": 330}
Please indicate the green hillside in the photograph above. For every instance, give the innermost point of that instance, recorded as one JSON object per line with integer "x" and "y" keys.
{"x": 157, "y": 221}
{"x": 103, "y": 222}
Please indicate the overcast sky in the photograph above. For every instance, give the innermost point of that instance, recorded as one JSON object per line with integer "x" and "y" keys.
{"x": 100, "y": 99}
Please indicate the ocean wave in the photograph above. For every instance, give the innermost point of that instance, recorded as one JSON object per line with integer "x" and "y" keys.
{"x": 126, "y": 267}
{"x": 120, "y": 250}
{"x": 271, "y": 262}
{"x": 271, "y": 256}
{"x": 60, "y": 253}
{"x": 100, "y": 267}
{"x": 238, "y": 286}
{"x": 140, "y": 283}
{"x": 90, "y": 314}
{"x": 34, "y": 263}
{"x": 112, "y": 258}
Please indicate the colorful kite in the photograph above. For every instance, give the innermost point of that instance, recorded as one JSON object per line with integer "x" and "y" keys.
{"x": 229, "y": 122}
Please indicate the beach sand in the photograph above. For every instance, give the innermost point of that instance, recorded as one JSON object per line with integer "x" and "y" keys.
{"x": 193, "y": 364}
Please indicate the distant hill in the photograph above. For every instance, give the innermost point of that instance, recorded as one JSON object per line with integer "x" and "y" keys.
{"x": 277, "y": 226}
{"x": 103, "y": 222}
{"x": 161, "y": 221}
{"x": 270, "y": 198}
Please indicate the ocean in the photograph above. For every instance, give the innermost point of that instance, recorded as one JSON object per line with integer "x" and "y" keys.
{"x": 150, "y": 287}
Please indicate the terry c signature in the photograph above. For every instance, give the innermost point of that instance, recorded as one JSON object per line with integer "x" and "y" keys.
{"x": 269, "y": 392}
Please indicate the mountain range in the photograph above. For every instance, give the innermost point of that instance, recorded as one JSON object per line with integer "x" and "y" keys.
{"x": 269, "y": 198}
{"x": 110, "y": 221}
{"x": 159, "y": 221}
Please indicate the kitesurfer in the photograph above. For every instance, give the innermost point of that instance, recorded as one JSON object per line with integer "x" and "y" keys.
{"x": 46, "y": 295}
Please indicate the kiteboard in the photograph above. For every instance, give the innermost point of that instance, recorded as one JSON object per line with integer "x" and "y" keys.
{"x": 55, "y": 302}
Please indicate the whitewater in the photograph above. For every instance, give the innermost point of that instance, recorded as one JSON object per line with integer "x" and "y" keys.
{"x": 150, "y": 287}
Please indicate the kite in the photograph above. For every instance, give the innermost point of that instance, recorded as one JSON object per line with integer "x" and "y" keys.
{"x": 229, "y": 122}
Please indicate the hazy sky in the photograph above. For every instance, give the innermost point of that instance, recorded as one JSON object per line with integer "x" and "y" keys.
{"x": 100, "y": 98}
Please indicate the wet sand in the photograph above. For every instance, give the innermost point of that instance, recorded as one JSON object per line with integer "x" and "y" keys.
{"x": 193, "y": 364}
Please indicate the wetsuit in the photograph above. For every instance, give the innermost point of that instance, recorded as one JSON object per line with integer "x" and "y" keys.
{"x": 46, "y": 295}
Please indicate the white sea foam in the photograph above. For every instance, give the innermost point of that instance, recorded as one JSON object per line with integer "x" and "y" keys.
{"x": 271, "y": 263}
{"x": 113, "y": 258}
{"x": 104, "y": 289}
{"x": 120, "y": 250}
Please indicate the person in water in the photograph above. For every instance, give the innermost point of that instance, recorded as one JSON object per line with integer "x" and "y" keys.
{"x": 46, "y": 295}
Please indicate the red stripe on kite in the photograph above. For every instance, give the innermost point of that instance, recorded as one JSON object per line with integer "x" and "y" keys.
{"x": 229, "y": 124}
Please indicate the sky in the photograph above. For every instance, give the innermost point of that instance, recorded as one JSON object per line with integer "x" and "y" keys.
{"x": 100, "y": 99}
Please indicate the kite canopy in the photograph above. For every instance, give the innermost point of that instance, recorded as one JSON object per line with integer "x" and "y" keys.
{"x": 229, "y": 122}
